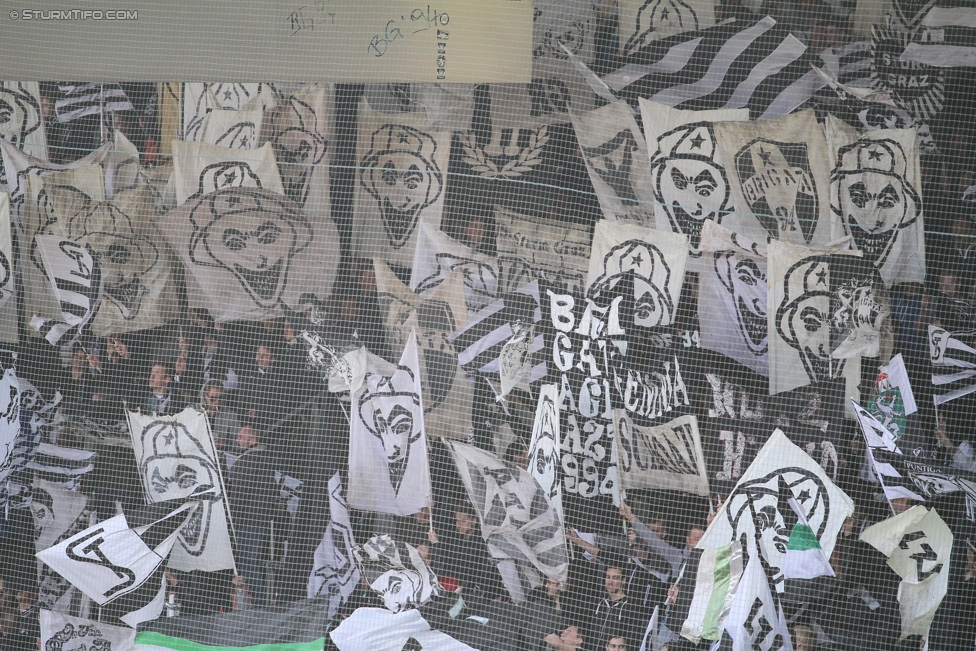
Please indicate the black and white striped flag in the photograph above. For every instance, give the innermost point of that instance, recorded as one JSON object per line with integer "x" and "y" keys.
{"x": 758, "y": 66}
{"x": 481, "y": 341}
{"x": 76, "y": 278}
{"x": 64, "y": 466}
{"x": 946, "y": 39}
{"x": 79, "y": 100}
{"x": 953, "y": 366}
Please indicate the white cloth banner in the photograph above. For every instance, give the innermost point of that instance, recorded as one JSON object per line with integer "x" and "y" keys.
{"x": 8, "y": 306}
{"x": 199, "y": 100}
{"x": 531, "y": 248}
{"x": 177, "y": 459}
{"x": 438, "y": 256}
{"x": 755, "y": 621}
{"x": 401, "y": 178}
{"x": 23, "y": 125}
{"x": 918, "y": 544}
{"x": 615, "y": 154}
{"x": 77, "y": 280}
{"x": 9, "y": 412}
{"x": 377, "y": 629}
{"x": 643, "y": 22}
{"x": 657, "y": 260}
{"x": 663, "y": 457}
{"x": 201, "y": 168}
{"x": 517, "y": 519}
{"x": 779, "y": 172}
{"x": 251, "y": 252}
{"x": 733, "y": 293}
{"x": 388, "y": 467}
{"x": 544, "y": 447}
{"x": 875, "y": 198}
{"x": 63, "y": 633}
{"x": 334, "y": 571}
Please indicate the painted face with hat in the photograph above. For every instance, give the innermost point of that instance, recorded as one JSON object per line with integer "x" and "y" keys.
{"x": 653, "y": 305}
{"x": 803, "y": 319}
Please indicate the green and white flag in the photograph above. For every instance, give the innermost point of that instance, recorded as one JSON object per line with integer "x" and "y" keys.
{"x": 152, "y": 641}
{"x": 805, "y": 558}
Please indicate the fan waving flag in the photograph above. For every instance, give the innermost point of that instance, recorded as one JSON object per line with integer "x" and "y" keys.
{"x": 761, "y": 66}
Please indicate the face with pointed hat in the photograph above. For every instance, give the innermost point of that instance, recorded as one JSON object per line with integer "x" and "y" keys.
{"x": 803, "y": 319}
{"x": 652, "y": 276}
{"x": 744, "y": 278}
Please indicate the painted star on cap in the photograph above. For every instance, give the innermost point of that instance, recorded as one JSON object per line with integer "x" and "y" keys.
{"x": 697, "y": 141}
{"x": 874, "y": 154}
{"x": 637, "y": 259}
{"x": 822, "y": 276}
{"x": 764, "y": 155}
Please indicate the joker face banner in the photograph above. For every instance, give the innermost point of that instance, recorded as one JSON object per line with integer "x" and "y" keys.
{"x": 21, "y": 121}
{"x": 532, "y": 248}
{"x": 645, "y": 21}
{"x": 655, "y": 260}
{"x": 779, "y": 171}
{"x": 177, "y": 460}
{"x": 732, "y": 291}
{"x": 138, "y": 289}
{"x": 447, "y": 393}
{"x": 544, "y": 448}
{"x": 438, "y": 256}
{"x": 400, "y": 179}
{"x": 688, "y": 174}
{"x": 616, "y": 158}
{"x": 201, "y": 168}
{"x": 824, "y": 309}
{"x": 200, "y": 100}
{"x": 251, "y": 252}
{"x": 875, "y": 198}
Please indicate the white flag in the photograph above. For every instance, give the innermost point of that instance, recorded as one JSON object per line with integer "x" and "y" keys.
{"x": 437, "y": 256}
{"x": 76, "y": 277}
{"x": 755, "y": 621}
{"x": 918, "y": 544}
{"x": 63, "y": 633}
{"x": 518, "y": 521}
{"x": 377, "y": 629}
{"x": 8, "y": 307}
{"x": 177, "y": 459}
{"x": 665, "y": 457}
{"x": 334, "y": 573}
{"x": 388, "y": 468}
{"x": 200, "y": 168}
{"x": 544, "y": 447}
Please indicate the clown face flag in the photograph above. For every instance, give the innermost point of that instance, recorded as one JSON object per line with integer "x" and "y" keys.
{"x": 438, "y": 256}
{"x": 63, "y": 633}
{"x": 335, "y": 573}
{"x": 918, "y": 545}
{"x": 688, "y": 175}
{"x": 616, "y": 158}
{"x": 251, "y": 253}
{"x": 825, "y": 310}
{"x": 665, "y": 457}
{"x": 400, "y": 179}
{"x": 378, "y": 629}
{"x": 875, "y": 198}
{"x": 732, "y": 291}
{"x": 136, "y": 269}
{"x": 299, "y": 130}
{"x": 177, "y": 460}
{"x": 758, "y": 509}
{"x": 396, "y": 572}
{"x": 200, "y": 168}
{"x": 755, "y": 620}
{"x": 644, "y": 21}
{"x": 544, "y": 447}
{"x": 200, "y": 100}
{"x": 76, "y": 277}
{"x": 112, "y": 560}
{"x": 656, "y": 259}
{"x": 779, "y": 171}
{"x": 8, "y": 306}
{"x": 531, "y": 248}
{"x": 447, "y": 393}
{"x": 388, "y": 469}
{"x": 521, "y": 526}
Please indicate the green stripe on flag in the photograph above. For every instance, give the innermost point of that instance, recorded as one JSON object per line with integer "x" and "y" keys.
{"x": 720, "y": 587}
{"x": 802, "y": 538}
{"x": 160, "y": 641}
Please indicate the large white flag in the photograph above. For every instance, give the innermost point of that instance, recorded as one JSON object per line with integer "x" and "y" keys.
{"x": 665, "y": 457}
{"x": 23, "y": 124}
{"x": 755, "y": 621}
{"x": 388, "y": 468}
{"x": 544, "y": 447}
{"x": 8, "y": 306}
{"x": 377, "y": 629}
{"x": 334, "y": 572}
{"x": 200, "y": 100}
{"x": 200, "y": 168}
{"x": 177, "y": 460}
{"x": 111, "y": 560}
{"x": 918, "y": 544}
{"x": 437, "y": 256}
{"x": 74, "y": 273}
{"x": 9, "y": 412}
{"x": 521, "y": 526}
{"x": 63, "y": 633}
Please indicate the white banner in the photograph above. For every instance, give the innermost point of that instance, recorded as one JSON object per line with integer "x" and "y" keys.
{"x": 334, "y": 571}
{"x": 8, "y": 306}
{"x": 377, "y": 629}
{"x": 663, "y": 457}
{"x": 531, "y": 248}
{"x": 64, "y": 633}
{"x": 438, "y": 256}
{"x": 23, "y": 126}
{"x": 201, "y": 168}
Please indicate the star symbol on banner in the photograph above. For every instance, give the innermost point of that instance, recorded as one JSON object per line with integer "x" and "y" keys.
{"x": 697, "y": 141}
{"x": 243, "y": 142}
{"x": 231, "y": 177}
{"x": 764, "y": 156}
{"x": 664, "y": 14}
{"x": 637, "y": 259}
{"x": 227, "y": 95}
{"x": 168, "y": 438}
{"x": 804, "y": 495}
{"x": 822, "y": 276}
{"x": 874, "y": 154}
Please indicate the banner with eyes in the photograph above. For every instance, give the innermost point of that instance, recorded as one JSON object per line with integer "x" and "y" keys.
{"x": 825, "y": 310}
{"x": 616, "y": 158}
{"x": 200, "y": 168}
{"x": 21, "y": 121}
{"x": 644, "y": 21}
{"x": 875, "y": 198}
{"x": 779, "y": 174}
{"x": 400, "y": 179}
{"x": 251, "y": 253}
{"x": 136, "y": 267}
{"x": 688, "y": 174}
{"x": 732, "y": 297}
